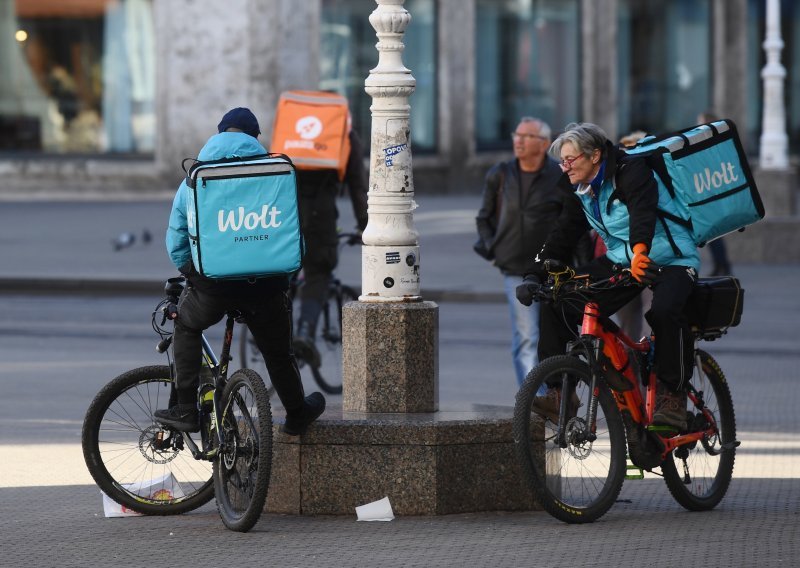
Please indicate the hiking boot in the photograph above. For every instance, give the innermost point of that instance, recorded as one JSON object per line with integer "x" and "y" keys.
{"x": 549, "y": 404}
{"x": 297, "y": 423}
{"x": 670, "y": 408}
{"x": 304, "y": 346}
{"x": 182, "y": 417}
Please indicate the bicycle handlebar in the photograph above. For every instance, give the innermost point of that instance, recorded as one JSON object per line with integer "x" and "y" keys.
{"x": 562, "y": 281}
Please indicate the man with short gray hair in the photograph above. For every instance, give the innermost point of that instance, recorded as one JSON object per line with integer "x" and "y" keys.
{"x": 520, "y": 204}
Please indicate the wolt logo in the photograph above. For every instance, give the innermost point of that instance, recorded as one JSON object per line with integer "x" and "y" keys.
{"x": 230, "y": 219}
{"x": 706, "y": 180}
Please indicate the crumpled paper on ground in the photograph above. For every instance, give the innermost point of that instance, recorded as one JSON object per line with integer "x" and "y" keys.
{"x": 375, "y": 511}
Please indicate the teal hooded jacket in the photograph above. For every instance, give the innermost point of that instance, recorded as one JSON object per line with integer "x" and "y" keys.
{"x": 219, "y": 146}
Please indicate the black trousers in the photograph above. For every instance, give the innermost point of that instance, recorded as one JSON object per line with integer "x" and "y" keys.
{"x": 318, "y": 265}
{"x": 558, "y": 324}
{"x": 269, "y": 318}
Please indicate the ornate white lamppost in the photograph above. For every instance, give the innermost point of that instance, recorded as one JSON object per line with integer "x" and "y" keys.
{"x": 774, "y": 141}
{"x": 390, "y": 343}
{"x": 390, "y": 257}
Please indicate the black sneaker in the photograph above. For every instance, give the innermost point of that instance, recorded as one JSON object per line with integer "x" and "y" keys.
{"x": 183, "y": 417}
{"x": 296, "y": 424}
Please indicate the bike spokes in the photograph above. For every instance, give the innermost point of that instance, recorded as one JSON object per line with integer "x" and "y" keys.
{"x": 242, "y": 468}
{"x": 575, "y": 468}
{"x": 698, "y": 473}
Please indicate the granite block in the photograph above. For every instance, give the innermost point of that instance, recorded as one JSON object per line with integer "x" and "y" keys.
{"x": 451, "y": 461}
{"x": 390, "y": 357}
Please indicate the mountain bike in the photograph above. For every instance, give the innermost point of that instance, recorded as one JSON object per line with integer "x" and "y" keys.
{"x": 576, "y": 462}
{"x": 327, "y": 374}
{"x": 155, "y": 470}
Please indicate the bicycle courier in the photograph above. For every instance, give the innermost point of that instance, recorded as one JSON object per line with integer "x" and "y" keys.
{"x": 312, "y": 127}
{"x": 242, "y": 216}
{"x": 705, "y": 171}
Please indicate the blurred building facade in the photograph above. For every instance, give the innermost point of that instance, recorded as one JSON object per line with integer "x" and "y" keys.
{"x": 111, "y": 93}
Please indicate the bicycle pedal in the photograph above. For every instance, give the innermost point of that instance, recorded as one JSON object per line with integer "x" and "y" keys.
{"x": 631, "y": 467}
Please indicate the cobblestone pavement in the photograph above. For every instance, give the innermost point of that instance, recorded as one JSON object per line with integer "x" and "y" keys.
{"x": 51, "y": 511}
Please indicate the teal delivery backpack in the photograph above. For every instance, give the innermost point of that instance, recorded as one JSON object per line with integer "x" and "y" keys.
{"x": 706, "y": 173}
{"x": 243, "y": 218}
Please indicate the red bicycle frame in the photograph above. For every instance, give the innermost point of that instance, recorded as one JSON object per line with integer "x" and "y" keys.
{"x": 640, "y": 407}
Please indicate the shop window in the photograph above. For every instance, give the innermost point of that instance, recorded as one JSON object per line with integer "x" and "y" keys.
{"x": 527, "y": 64}
{"x": 78, "y": 76}
{"x": 664, "y": 51}
{"x": 347, "y": 53}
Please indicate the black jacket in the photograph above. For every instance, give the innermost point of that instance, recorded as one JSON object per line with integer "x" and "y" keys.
{"x": 634, "y": 186}
{"x": 318, "y": 190}
{"x": 514, "y": 226}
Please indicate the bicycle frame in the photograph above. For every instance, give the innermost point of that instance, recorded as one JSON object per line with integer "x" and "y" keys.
{"x": 219, "y": 368}
{"x": 600, "y": 342}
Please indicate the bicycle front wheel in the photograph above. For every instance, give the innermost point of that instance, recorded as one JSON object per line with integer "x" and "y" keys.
{"x": 698, "y": 475}
{"x": 577, "y": 479}
{"x": 133, "y": 459}
{"x": 329, "y": 374}
{"x": 242, "y": 469}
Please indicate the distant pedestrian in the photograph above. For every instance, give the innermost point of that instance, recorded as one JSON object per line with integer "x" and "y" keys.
{"x": 520, "y": 203}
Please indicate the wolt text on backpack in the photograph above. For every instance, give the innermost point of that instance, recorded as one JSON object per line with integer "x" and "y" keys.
{"x": 242, "y": 217}
{"x": 705, "y": 171}
{"x": 312, "y": 128}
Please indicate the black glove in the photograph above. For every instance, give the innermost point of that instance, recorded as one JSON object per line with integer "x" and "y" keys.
{"x": 651, "y": 273}
{"x": 355, "y": 239}
{"x": 527, "y": 291}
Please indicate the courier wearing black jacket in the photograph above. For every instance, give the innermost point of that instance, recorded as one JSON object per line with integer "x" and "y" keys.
{"x": 617, "y": 196}
{"x": 520, "y": 204}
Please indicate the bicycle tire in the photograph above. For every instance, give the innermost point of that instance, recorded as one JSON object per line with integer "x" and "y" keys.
{"x": 709, "y": 466}
{"x": 331, "y": 334}
{"x": 579, "y": 483}
{"x": 242, "y": 469}
{"x": 250, "y": 357}
{"x": 119, "y": 447}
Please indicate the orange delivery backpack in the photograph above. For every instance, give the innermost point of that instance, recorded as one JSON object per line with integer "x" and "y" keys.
{"x": 312, "y": 128}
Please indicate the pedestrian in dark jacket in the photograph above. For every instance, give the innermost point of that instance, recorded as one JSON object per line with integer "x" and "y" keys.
{"x": 263, "y": 303}
{"x": 617, "y": 196}
{"x": 521, "y": 202}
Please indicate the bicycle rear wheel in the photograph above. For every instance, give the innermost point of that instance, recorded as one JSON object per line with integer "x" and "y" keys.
{"x": 133, "y": 459}
{"x": 698, "y": 475}
{"x": 329, "y": 374}
{"x": 250, "y": 357}
{"x": 579, "y": 482}
{"x": 242, "y": 469}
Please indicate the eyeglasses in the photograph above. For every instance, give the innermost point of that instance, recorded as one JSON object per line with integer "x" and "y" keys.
{"x": 566, "y": 163}
{"x": 515, "y": 135}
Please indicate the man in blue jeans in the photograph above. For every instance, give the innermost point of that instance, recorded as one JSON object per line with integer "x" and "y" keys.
{"x": 521, "y": 203}
{"x": 262, "y": 301}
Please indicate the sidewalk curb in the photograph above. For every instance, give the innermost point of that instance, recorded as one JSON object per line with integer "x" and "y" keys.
{"x": 117, "y": 287}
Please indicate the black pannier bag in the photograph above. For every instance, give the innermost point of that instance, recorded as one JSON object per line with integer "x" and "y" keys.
{"x": 715, "y": 304}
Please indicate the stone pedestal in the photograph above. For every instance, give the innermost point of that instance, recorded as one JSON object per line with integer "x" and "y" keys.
{"x": 390, "y": 357}
{"x": 451, "y": 461}
{"x": 777, "y": 190}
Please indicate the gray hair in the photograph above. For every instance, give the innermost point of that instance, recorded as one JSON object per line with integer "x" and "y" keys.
{"x": 584, "y": 136}
{"x": 544, "y": 128}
